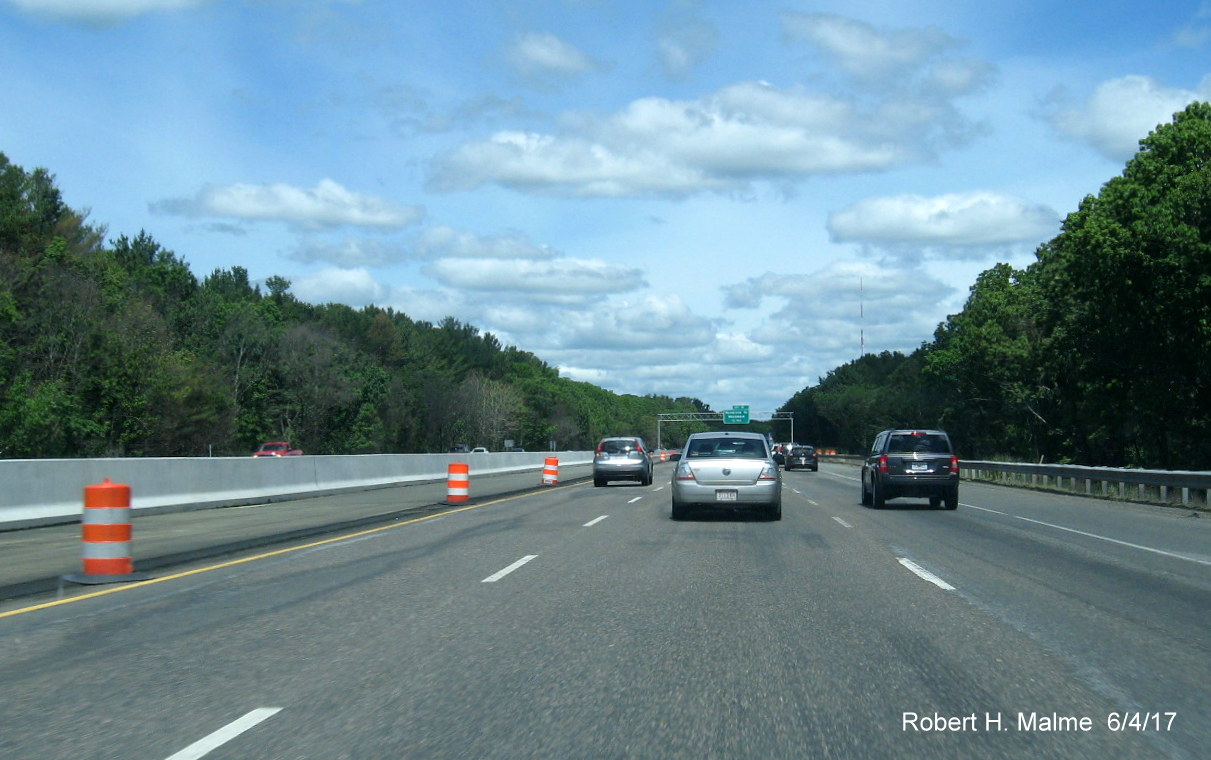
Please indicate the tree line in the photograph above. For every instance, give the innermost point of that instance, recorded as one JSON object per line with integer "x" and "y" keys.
{"x": 115, "y": 348}
{"x": 1098, "y": 353}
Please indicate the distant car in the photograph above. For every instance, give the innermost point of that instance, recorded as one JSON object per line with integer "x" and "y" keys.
{"x": 460, "y": 448}
{"x": 728, "y": 471}
{"x": 778, "y": 454}
{"x": 277, "y": 449}
{"x": 801, "y": 456}
{"x": 622, "y": 458}
{"x": 918, "y": 463}
{"x": 479, "y": 450}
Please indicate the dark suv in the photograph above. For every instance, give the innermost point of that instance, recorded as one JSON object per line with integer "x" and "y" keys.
{"x": 920, "y": 463}
{"x": 801, "y": 456}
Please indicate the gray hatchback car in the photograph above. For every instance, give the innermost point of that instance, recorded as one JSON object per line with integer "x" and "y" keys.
{"x": 622, "y": 458}
{"x": 727, "y": 471}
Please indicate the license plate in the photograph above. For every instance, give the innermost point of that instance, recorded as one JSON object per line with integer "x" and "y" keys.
{"x": 919, "y": 467}
{"x": 725, "y": 496}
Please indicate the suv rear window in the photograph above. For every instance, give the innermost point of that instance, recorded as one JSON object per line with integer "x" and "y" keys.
{"x": 743, "y": 448}
{"x": 908, "y": 443}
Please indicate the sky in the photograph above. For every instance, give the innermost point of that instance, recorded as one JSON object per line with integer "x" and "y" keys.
{"x": 711, "y": 199}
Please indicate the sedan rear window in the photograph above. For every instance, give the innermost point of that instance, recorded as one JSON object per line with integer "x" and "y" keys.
{"x": 724, "y": 447}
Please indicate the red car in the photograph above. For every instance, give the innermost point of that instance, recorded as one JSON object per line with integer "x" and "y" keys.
{"x": 277, "y": 449}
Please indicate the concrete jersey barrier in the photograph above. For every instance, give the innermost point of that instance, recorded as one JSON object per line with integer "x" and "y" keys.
{"x": 48, "y": 491}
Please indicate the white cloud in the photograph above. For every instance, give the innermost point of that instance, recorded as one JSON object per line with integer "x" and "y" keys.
{"x": 350, "y": 253}
{"x": 745, "y": 132}
{"x": 328, "y": 204}
{"x": 1123, "y": 111}
{"x": 541, "y": 55}
{"x": 1197, "y": 32}
{"x": 683, "y": 47}
{"x": 954, "y": 220}
{"x": 557, "y": 277}
{"x": 100, "y": 12}
{"x": 864, "y": 51}
{"x": 731, "y": 348}
{"x": 352, "y": 287}
{"x": 430, "y": 305}
{"x": 447, "y": 242}
{"x": 663, "y": 322}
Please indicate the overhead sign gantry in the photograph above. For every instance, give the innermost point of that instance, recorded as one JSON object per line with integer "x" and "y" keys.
{"x": 739, "y": 414}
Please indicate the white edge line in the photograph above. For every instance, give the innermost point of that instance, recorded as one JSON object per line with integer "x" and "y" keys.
{"x": 924, "y": 574}
{"x": 594, "y": 521}
{"x": 1162, "y": 552}
{"x": 843, "y": 523}
{"x": 1086, "y": 534}
{"x": 225, "y": 734}
{"x": 494, "y": 577}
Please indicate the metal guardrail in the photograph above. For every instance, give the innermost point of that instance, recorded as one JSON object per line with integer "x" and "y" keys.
{"x": 1185, "y": 487}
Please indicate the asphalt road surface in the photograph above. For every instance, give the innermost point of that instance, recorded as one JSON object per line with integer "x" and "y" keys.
{"x": 582, "y": 622}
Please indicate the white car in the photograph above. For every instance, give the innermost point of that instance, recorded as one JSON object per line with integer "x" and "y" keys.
{"x": 479, "y": 450}
{"x": 727, "y": 471}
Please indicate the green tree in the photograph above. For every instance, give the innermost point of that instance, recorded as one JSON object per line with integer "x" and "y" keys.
{"x": 1127, "y": 288}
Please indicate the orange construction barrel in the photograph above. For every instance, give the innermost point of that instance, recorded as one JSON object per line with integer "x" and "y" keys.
{"x": 106, "y": 531}
{"x": 550, "y": 471}
{"x": 458, "y": 483}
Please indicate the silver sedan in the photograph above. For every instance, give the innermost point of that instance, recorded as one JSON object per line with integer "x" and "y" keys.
{"x": 727, "y": 471}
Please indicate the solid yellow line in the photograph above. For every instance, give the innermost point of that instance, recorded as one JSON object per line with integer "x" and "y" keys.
{"x": 266, "y": 555}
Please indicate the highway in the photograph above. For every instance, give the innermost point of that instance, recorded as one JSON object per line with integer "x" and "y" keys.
{"x": 581, "y": 622}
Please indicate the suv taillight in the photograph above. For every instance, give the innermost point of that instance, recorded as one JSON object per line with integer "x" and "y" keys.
{"x": 882, "y": 463}
{"x": 954, "y": 464}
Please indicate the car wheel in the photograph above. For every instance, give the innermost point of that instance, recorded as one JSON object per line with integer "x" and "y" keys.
{"x": 598, "y": 482}
{"x": 774, "y": 512}
{"x": 952, "y": 498}
{"x": 877, "y": 498}
{"x": 935, "y": 501}
{"x": 680, "y": 511}
{"x": 865, "y": 494}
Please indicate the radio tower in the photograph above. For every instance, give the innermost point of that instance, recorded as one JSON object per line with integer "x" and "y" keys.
{"x": 861, "y": 319}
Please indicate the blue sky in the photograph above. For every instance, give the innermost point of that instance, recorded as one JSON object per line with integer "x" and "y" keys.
{"x": 711, "y": 199}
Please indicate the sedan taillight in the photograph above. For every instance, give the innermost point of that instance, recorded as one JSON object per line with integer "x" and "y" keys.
{"x": 684, "y": 472}
{"x": 769, "y": 472}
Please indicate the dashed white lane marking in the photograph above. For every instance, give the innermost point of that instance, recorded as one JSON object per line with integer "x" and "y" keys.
{"x": 594, "y": 521}
{"x": 494, "y": 577}
{"x": 843, "y": 523}
{"x": 205, "y": 745}
{"x": 1161, "y": 552}
{"x": 632, "y": 501}
{"x": 924, "y": 574}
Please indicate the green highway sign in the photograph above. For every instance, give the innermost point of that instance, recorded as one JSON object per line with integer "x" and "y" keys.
{"x": 737, "y": 415}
